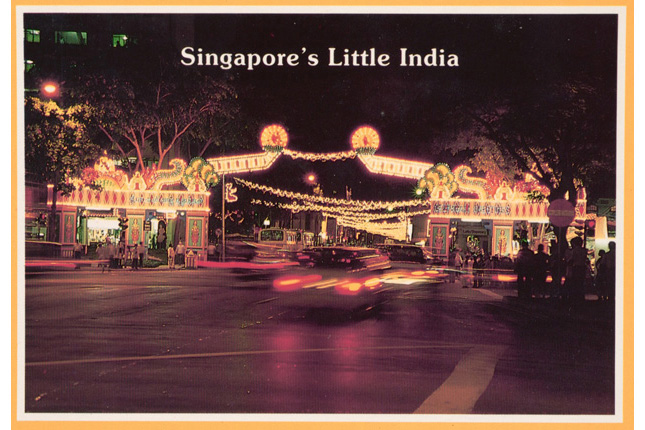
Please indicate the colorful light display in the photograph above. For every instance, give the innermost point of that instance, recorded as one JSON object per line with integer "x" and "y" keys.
{"x": 365, "y": 140}
{"x": 274, "y": 138}
{"x": 449, "y": 192}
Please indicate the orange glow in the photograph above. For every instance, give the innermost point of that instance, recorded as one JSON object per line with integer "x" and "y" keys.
{"x": 506, "y": 278}
{"x": 372, "y": 283}
{"x": 418, "y": 273}
{"x": 293, "y": 283}
{"x": 365, "y": 137}
{"x": 348, "y": 287}
{"x": 274, "y": 136}
{"x": 50, "y": 88}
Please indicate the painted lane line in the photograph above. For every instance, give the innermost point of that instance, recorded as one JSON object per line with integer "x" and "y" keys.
{"x": 236, "y": 354}
{"x": 465, "y": 385}
{"x": 489, "y": 293}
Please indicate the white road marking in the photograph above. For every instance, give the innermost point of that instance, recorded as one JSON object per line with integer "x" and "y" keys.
{"x": 489, "y": 293}
{"x": 459, "y": 393}
{"x": 235, "y": 353}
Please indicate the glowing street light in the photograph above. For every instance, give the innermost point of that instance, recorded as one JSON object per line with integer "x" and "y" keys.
{"x": 50, "y": 89}
{"x": 311, "y": 178}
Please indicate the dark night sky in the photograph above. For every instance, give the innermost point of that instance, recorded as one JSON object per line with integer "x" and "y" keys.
{"x": 321, "y": 106}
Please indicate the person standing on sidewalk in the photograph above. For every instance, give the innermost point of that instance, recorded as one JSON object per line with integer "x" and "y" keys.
{"x": 171, "y": 257}
{"x": 610, "y": 275}
{"x": 524, "y": 267}
{"x": 141, "y": 253}
{"x": 458, "y": 262}
{"x": 541, "y": 268}
{"x": 478, "y": 271}
{"x": 576, "y": 260}
{"x": 135, "y": 257}
{"x": 180, "y": 254}
{"x": 110, "y": 253}
{"x": 78, "y": 250}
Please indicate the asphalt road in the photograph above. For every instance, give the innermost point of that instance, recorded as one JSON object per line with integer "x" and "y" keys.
{"x": 219, "y": 342}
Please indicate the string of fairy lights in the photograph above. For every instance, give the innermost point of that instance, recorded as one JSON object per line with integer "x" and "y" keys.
{"x": 311, "y": 156}
{"x": 358, "y": 205}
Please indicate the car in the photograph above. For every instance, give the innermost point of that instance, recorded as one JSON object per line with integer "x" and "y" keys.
{"x": 410, "y": 254}
{"x": 351, "y": 259}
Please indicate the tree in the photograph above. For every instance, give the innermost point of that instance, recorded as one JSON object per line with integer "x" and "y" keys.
{"x": 57, "y": 147}
{"x": 562, "y": 133}
{"x": 155, "y": 107}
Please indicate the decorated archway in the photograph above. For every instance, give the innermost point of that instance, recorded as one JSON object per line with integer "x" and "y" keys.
{"x": 179, "y": 196}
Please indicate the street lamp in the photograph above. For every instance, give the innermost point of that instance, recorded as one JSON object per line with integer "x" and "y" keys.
{"x": 311, "y": 179}
{"x": 50, "y": 89}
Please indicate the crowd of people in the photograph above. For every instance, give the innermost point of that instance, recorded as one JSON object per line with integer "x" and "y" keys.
{"x": 119, "y": 255}
{"x": 540, "y": 274}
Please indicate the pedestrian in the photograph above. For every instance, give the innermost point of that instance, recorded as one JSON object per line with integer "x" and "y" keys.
{"x": 524, "y": 267}
{"x": 121, "y": 255}
{"x": 458, "y": 262}
{"x": 478, "y": 269}
{"x": 610, "y": 276}
{"x": 78, "y": 249}
{"x": 141, "y": 252}
{"x": 601, "y": 275}
{"x": 110, "y": 252}
{"x": 556, "y": 265}
{"x": 100, "y": 256}
{"x": 541, "y": 267}
{"x": 134, "y": 253}
{"x": 180, "y": 254}
{"x": 171, "y": 257}
{"x": 576, "y": 261}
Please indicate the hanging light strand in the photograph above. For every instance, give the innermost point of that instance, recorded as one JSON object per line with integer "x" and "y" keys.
{"x": 357, "y": 204}
{"x": 311, "y": 156}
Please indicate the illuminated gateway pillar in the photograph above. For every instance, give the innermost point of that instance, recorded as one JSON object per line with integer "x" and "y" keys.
{"x": 159, "y": 207}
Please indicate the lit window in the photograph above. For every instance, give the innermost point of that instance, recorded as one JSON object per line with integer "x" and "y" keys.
{"x": 29, "y": 65}
{"x": 119, "y": 40}
{"x": 70, "y": 37}
{"x": 32, "y": 35}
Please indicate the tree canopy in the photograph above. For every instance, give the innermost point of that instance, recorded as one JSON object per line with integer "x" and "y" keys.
{"x": 57, "y": 144}
{"x": 154, "y": 111}
{"x": 563, "y": 133}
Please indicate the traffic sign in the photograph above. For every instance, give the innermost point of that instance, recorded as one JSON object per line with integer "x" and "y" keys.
{"x": 561, "y": 213}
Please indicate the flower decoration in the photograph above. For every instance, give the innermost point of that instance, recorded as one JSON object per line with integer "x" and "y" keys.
{"x": 439, "y": 180}
{"x": 199, "y": 175}
{"x": 365, "y": 140}
{"x": 274, "y": 138}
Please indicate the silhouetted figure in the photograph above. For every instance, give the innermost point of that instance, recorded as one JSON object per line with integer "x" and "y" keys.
{"x": 541, "y": 267}
{"x": 576, "y": 260}
{"x": 610, "y": 276}
{"x": 141, "y": 253}
{"x": 524, "y": 267}
{"x": 134, "y": 254}
{"x": 478, "y": 269}
{"x": 601, "y": 275}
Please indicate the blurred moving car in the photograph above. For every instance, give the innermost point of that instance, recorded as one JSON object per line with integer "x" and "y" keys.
{"x": 351, "y": 259}
{"x": 410, "y": 254}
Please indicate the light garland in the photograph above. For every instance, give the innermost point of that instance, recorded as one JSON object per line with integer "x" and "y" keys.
{"x": 470, "y": 184}
{"x": 310, "y": 156}
{"x": 394, "y": 166}
{"x": 169, "y": 177}
{"x": 243, "y": 163}
{"x": 358, "y": 204}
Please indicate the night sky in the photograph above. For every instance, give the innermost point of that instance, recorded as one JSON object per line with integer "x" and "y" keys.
{"x": 409, "y": 106}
